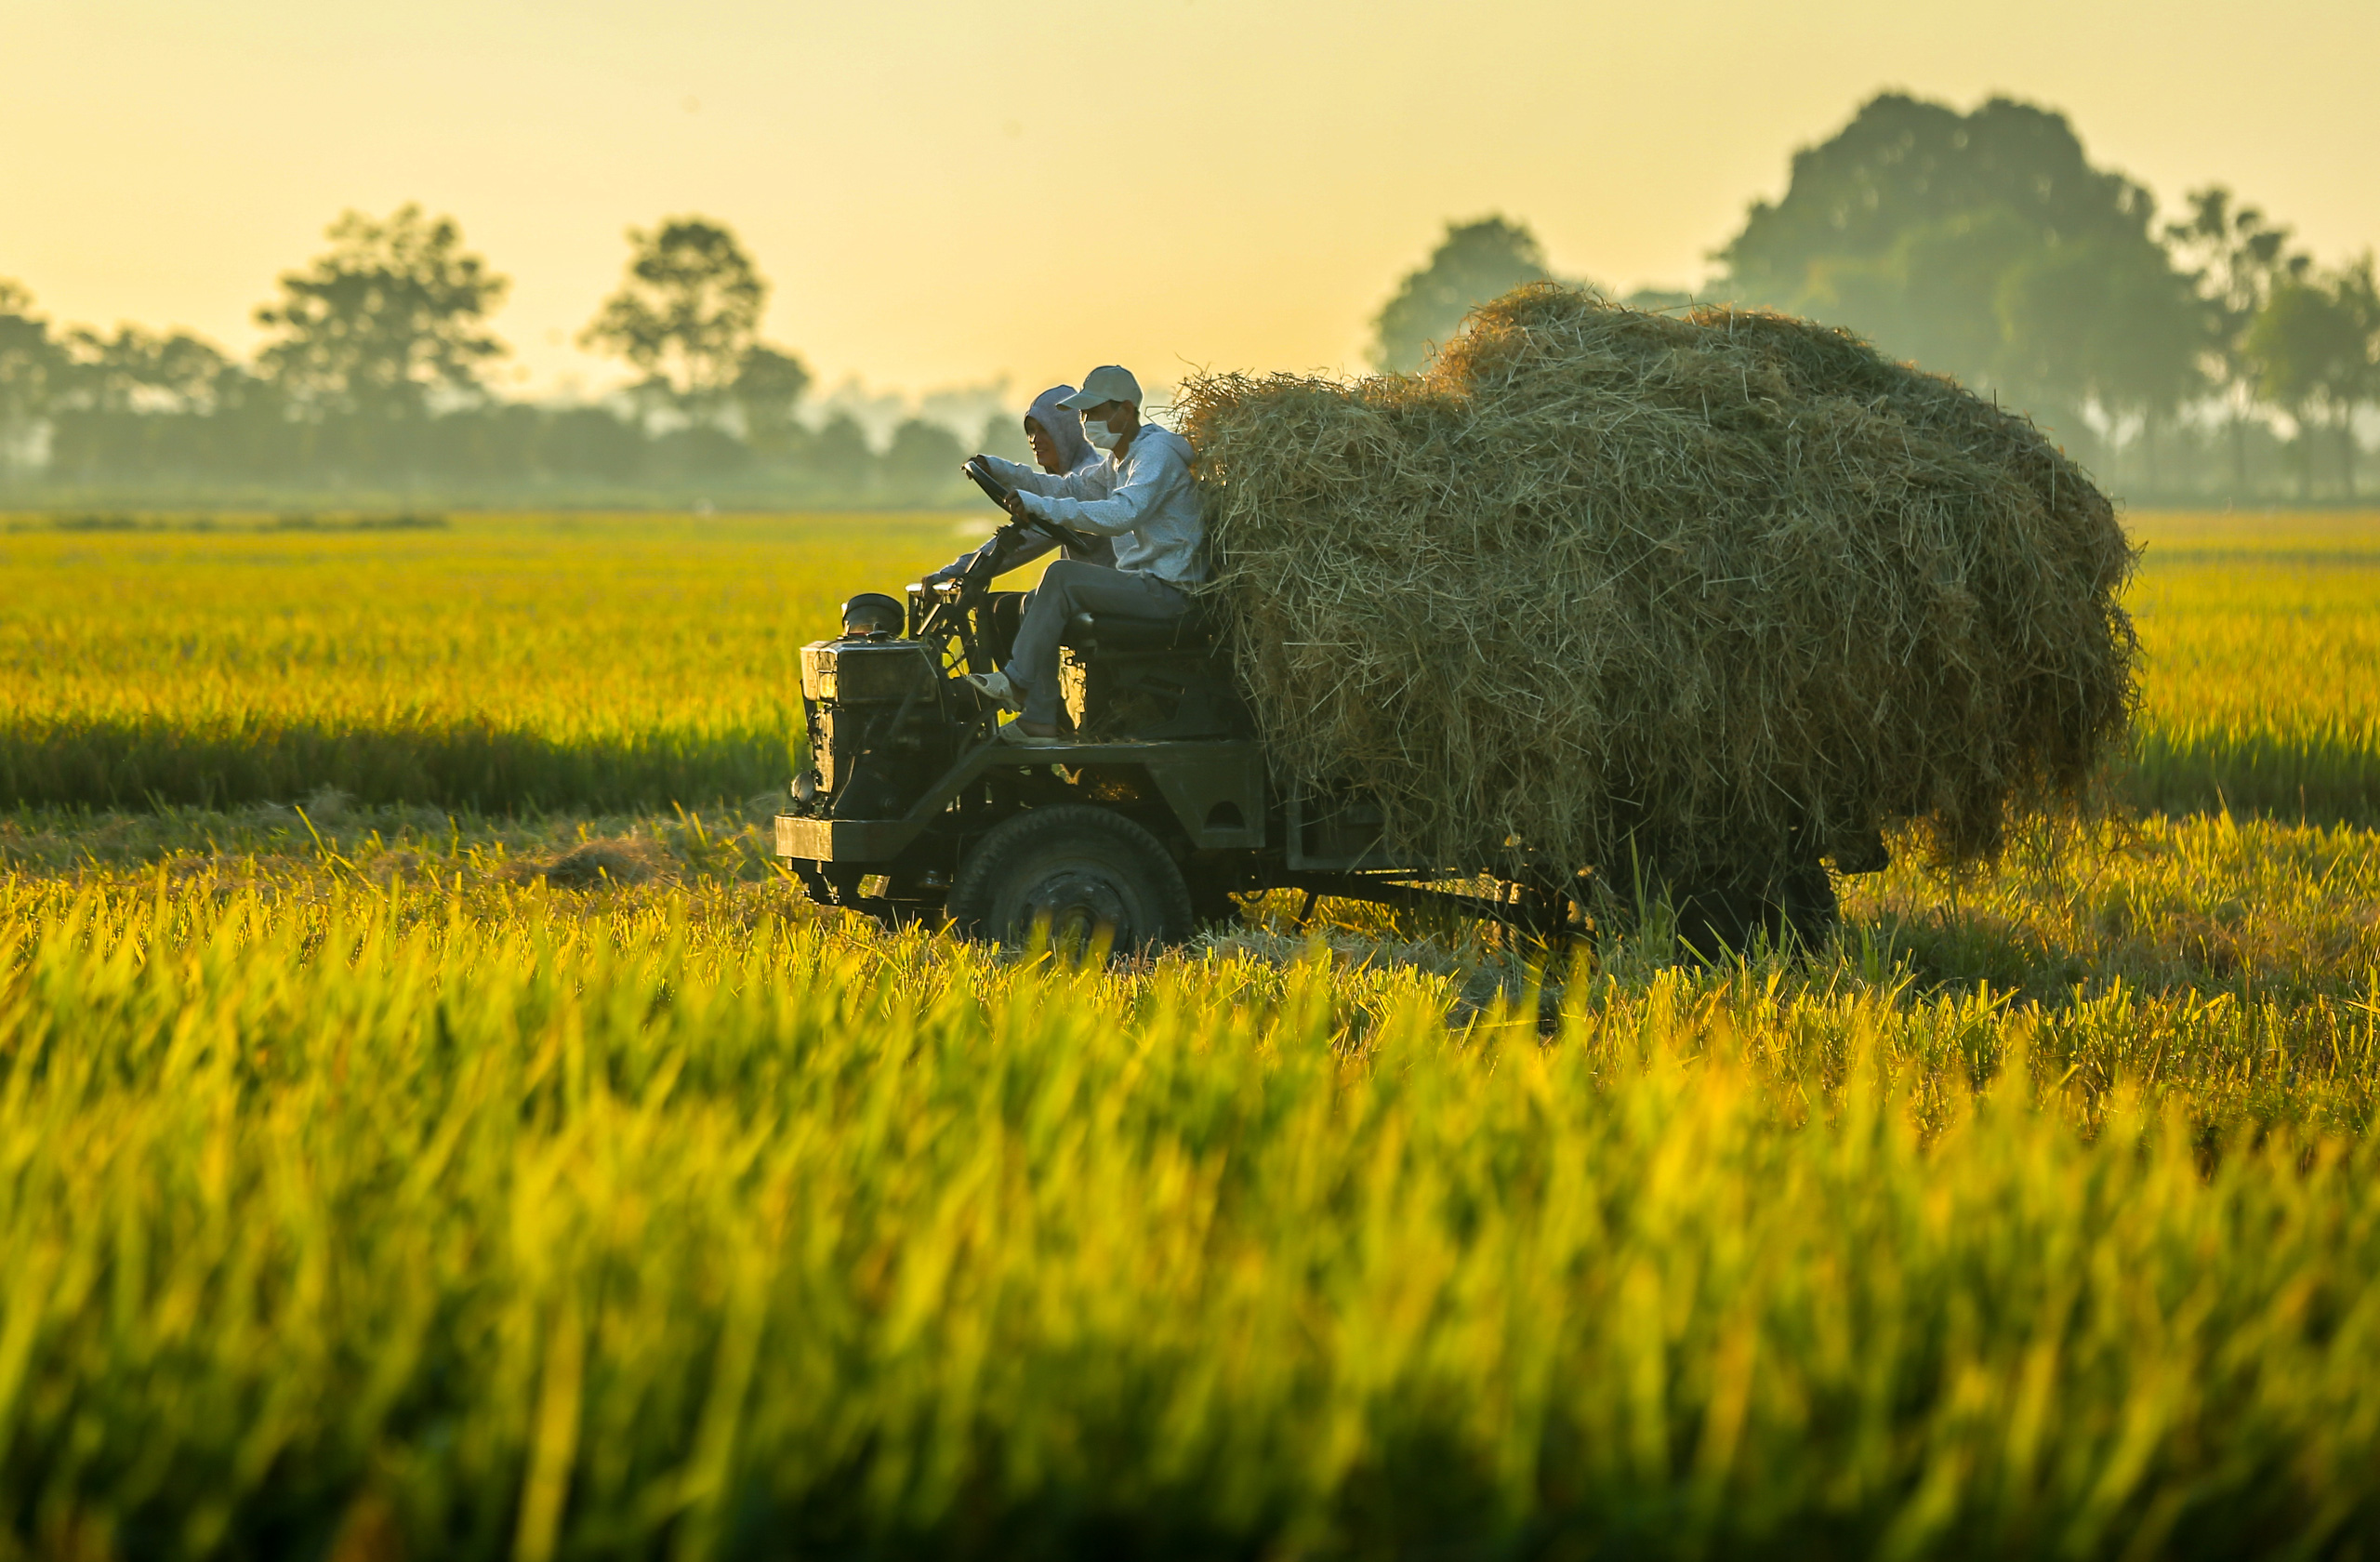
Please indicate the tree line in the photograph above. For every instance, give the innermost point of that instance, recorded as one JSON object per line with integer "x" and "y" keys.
{"x": 2206, "y": 355}
{"x": 374, "y": 377}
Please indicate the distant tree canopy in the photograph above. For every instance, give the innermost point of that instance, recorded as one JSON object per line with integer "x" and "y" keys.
{"x": 688, "y": 316}
{"x": 920, "y": 462}
{"x": 1476, "y": 261}
{"x": 769, "y": 385}
{"x": 29, "y": 364}
{"x": 1983, "y": 244}
{"x": 393, "y": 311}
{"x": 2316, "y": 345}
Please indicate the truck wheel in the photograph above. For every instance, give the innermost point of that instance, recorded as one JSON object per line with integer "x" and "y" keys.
{"x": 1079, "y": 868}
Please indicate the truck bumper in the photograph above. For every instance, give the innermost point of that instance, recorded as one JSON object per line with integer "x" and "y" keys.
{"x": 842, "y": 840}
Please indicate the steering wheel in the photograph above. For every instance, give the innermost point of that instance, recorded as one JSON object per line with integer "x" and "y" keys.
{"x": 1000, "y": 493}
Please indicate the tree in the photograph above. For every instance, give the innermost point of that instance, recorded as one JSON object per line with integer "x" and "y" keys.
{"x": 1902, "y": 165}
{"x": 921, "y": 463}
{"x": 140, "y": 404}
{"x": 687, "y": 316}
{"x": 391, "y": 315}
{"x": 1984, "y": 245}
{"x": 2108, "y": 319}
{"x": 139, "y": 371}
{"x": 2357, "y": 291}
{"x": 1475, "y": 262}
{"x": 31, "y": 366}
{"x": 2312, "y": 345}
{"x": 2237, "y": 257}
{"x": 768, "y": 386}
{"x": 840, "y": 457}
{"x": 1003, "y": 436}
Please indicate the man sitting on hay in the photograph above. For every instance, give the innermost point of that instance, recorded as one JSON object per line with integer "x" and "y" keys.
{"x": 1142, "y": 496}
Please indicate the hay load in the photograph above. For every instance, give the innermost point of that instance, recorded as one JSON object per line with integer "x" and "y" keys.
{"x": 1602, "y": 587}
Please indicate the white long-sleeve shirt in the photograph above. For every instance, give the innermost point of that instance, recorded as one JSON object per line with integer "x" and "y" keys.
{"x": 1026, "y": 548}
{"x": 1147, "y": 502}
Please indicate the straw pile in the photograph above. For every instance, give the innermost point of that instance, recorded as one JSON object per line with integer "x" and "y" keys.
{"x": 1725, "y": 591}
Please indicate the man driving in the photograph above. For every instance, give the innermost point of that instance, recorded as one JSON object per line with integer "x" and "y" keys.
{"x": 1054, "y": 431}
{"x": 1142, "y": 496}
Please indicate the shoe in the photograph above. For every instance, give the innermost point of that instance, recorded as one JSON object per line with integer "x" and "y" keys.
{"x": 1014, "y": 733}
{"x": 994, "y": 685}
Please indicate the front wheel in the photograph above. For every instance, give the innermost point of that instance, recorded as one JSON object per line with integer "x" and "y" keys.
{"x": 1081, "y": 871}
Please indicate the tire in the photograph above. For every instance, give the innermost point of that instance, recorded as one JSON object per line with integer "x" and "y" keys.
{"x": 1082, "y": 868}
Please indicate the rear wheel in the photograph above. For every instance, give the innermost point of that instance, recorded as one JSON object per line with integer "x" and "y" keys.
{"x": 1081, "y": 870}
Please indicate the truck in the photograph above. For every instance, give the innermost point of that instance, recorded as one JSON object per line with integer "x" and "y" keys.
{"x": 1155, "y": 810}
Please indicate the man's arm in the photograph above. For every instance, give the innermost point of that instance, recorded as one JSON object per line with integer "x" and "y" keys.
{"x": 1025, "y": 549}
{"x": 1155, "y": 473}
{"x": 1088, "y": 482}
{"x": 957, "y": 567}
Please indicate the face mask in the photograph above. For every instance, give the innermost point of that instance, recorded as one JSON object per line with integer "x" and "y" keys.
{"x": 1101, "y": 437}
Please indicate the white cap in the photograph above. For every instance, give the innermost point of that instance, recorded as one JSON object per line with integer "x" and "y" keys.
{"x": 1105, "y": 384}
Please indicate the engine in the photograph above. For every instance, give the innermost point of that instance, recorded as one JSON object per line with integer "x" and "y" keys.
{"x": 877, "y": 728}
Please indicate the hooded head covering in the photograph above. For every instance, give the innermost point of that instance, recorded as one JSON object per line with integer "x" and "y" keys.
{"x": 1063, "y": 425}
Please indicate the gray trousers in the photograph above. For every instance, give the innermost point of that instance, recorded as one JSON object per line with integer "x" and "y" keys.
{"x": 1068, "y": 587}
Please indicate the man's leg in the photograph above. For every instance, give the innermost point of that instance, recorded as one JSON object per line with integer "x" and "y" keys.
{"x": 1068, "y": 589}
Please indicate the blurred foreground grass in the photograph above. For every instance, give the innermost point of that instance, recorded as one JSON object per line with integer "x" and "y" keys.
{"x": 410, "y": 1150}
{"x": 364, "y": 1193}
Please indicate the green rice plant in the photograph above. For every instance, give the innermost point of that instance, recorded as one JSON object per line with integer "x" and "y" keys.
{"x": 615, "y": 662}
{"x": 352, "y": 1218}
{"x": 506, "y": 662}
{"x": 2261, "y": 666}
{"x": 367, "y": 1191}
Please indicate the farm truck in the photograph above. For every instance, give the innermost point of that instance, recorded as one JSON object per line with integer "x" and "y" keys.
{"x": 1154, "y": 809}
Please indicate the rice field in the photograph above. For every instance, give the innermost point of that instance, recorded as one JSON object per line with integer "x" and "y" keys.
{"x": 492, "y": 1158}
{"x": 2262, "y": 673}
{"x": 505, "y": 663}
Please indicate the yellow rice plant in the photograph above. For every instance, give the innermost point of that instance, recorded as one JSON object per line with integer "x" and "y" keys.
{"x": 346, "y": 1216}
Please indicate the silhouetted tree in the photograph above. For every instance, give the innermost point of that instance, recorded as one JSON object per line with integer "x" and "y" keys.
{"x": 393, "y": 314}
{"x": 1003, "y": 436}
{"x": 142, "y": 371}
{"x": 921, "y": 463}
{"x": 687, "y": 316}
{"x": 2108, "y": 319}
{"x": 1475, "y": 262}
{"x": 768, "y": 386}
{"x": 2237, "y": 257}
{"x": 140, "y": 404}
{"x": 31, "y": 366}
{"x": 2312, "y": 345}
{"x": 1984, "y": 245}
{"x": 839, "y": 458}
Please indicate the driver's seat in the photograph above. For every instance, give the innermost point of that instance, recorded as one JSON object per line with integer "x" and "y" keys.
{"x": 1191, "y": 634}
{"x": 1149, "y": 679}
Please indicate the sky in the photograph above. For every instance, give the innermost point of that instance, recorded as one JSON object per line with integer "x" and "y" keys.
{"x": 954, "y": 194}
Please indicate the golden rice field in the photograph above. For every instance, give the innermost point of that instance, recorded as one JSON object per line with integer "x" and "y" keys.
{"x": 376, "y": 1182}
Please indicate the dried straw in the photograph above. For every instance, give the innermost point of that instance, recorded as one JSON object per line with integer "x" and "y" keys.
{"x": 1714, "y": 592}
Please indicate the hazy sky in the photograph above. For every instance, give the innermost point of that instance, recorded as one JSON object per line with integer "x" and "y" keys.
{"x": 948, "y": 192}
